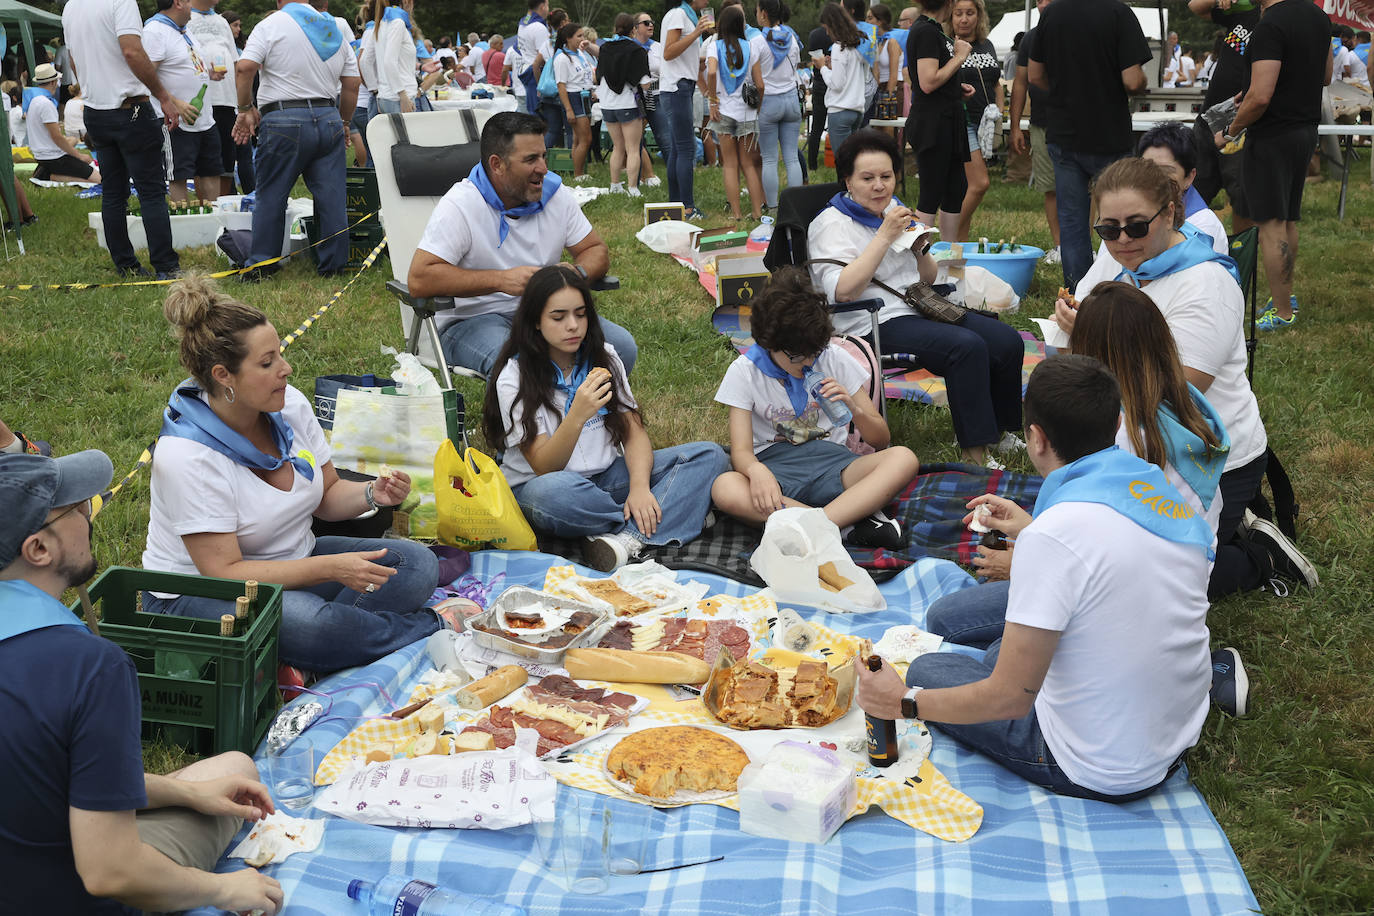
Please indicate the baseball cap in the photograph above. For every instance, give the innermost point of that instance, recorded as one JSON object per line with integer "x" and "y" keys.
{"x": 31, "y": 486}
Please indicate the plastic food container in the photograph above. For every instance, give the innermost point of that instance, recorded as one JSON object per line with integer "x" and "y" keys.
{"x": 520, "y": 599}
{"x": 1016, "y": 268}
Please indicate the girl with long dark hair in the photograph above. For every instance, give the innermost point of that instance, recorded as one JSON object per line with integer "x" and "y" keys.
{"x": 731, "y": 62}
{"x": 573, "y": 69}
{"x": 576, "y": 453}
{"x": 843, "y": 72}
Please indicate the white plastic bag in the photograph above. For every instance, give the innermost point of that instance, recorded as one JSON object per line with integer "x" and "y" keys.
{"x": 984, "y": 290}
{"x": 480, "y": 789}
{"x": 668, "y": 236}
{"x": 411, "y": 375}
{"x": 796, "y": 544}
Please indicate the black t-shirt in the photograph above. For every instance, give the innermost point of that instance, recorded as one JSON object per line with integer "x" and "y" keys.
{"x": 1229, "y": 76}
{"x": 1037, "y": 96}
{"x": 1296, "y": 33}
{"x": 981, "y": 70}
{"x": 818, "y": 40}
{"x": 927, "y": 39}
{"x": 1084, "y": 46}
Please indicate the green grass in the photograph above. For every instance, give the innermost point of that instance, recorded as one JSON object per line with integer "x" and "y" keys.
{"x": 1293, "y": 785}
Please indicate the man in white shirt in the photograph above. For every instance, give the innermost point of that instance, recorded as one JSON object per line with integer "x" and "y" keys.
{"x": 106, "y": 41}
{"x": 58, "y": 159}
{"x": 491, "y": 232}
{"x": 308, "y": 89}
{"x": 1096, "y": 675}
{"x": 530, "y": 43}
{"x": 447, "y": 56}
{"x": 1348, "y": 65}
{"x": 214, "y": 34}
{"x": 184, "y": 66}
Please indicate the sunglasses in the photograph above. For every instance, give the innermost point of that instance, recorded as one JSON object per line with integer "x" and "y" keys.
{"x": 1136, "y": 230}
{"x": 648, "y": 22}
{"x": 799, "y": 357}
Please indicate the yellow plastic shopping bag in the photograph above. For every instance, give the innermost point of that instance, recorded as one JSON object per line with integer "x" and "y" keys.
{"x": 475, "y": 504}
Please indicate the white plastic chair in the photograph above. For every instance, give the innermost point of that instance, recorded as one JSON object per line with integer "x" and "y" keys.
{"x": 404, "y": 217}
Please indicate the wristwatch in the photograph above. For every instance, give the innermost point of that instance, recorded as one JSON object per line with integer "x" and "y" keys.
{"x": 580, "y": 269}
{"x": 909, "y": 710}
{"x": 244, "y": 109}
{"x": 367, "y": 495}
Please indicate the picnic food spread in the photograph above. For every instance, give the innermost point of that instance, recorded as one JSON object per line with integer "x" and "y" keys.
{"x": 702, "y": 639}
{"x": 749, "y": 694}
{"x": 559, "y": 710}
{"x": 662, "y": 762}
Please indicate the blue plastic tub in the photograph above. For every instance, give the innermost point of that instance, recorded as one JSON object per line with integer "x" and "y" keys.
{"x": 1017, "y": 269}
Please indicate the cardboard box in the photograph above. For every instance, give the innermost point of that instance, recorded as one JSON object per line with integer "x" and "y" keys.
{"x": 739, "y": 278}
{"x": 655, "y": 213}
{"x": 719, "y": 239}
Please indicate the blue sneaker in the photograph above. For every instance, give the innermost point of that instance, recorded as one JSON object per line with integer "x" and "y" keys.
{"x": 1292, "y": 301}
{"x": 1270, "y": 321}
{"x": 1230, "y": 685}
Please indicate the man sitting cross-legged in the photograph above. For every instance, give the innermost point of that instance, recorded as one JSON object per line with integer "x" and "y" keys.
{"x": 1096, "y": 677}
{"x": 491, "y": 232}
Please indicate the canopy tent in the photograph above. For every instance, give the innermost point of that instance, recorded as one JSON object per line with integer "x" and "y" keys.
{"x": 1153, "y": 22}
{"x": 1358, "y": 14}
{"x": 31, "y": 22}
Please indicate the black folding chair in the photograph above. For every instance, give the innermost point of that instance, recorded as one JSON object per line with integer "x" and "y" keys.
{"x": 1244, "y": 248}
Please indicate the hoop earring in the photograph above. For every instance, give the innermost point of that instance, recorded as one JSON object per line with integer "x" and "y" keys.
{"x": 229, "y": 393}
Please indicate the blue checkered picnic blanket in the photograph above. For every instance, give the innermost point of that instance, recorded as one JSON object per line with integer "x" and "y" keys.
{"x": 1035, "y": 853}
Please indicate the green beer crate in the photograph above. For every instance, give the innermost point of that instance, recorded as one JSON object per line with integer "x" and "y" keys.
{"x": 361, "y": 240}
{"x": 363, "y": 196}
{"x": 206, "y": 692}
{"x": 560, "y": 159}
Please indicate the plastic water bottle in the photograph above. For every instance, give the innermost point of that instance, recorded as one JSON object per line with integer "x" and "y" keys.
{"x": 833, "y": 408}
{"x": 764, "y": 232}
{"x": 402, "y": 895}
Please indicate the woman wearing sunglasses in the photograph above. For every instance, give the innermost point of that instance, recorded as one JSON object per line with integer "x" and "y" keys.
{"x": 1197, "y": 290}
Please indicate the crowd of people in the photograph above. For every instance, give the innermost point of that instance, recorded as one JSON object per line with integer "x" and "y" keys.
{"x": 1145, "y": 429}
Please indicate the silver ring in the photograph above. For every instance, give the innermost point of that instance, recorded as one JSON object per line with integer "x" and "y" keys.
{"x": 371, "y": 587}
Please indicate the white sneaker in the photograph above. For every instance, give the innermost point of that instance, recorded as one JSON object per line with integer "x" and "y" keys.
{"x": 1009, "y": 443}
{"x": 618, "y": 187}
{"x": 1052, "y": 256}
{"x": 653, "y": 182}
{"x": 633, "y": 192}
{"x": 582, "y": 179}
{"x": 609, "y": 552}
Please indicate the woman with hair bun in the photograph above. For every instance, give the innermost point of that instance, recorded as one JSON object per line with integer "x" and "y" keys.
{"x": 242, "y": 466}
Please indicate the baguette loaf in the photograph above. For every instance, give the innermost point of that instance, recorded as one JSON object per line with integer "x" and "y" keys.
{"x": 630, "y": 667}
{"x": 495, "y": 686}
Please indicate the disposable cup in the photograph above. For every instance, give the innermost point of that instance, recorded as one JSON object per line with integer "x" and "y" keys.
{"x": 292, "y": 773}
{"x": 628, "y": 845}
{"x": 573, "y": 845}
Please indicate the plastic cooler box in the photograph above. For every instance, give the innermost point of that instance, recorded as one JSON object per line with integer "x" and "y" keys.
{"x": 206, "y": 692}
{"x": 1017, "y": 268}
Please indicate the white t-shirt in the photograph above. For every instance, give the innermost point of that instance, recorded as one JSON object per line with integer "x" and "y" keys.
{"x": 837, "y": 236}
{"x": 616, "y": 101}
{"x": 780, "y": 79}
{"x": 684, "y": 66}
{"x": 1126, "y": 690}
{"x": 92, "y": 29}
{"x": 732, "y": 103}
{"x": 463, "y": 231}
{"x": 1207, "y": 222}
{"x": 42, "y": 112}
{"x": 213, "y": 32}
{"x": 529, "y": 41}
{"x": 290, "y": 67}
{"x": 196, "y": 490}
{"x": 575, "y": 69}
{"x": 593, "y": 452}
{"x": 182, "y": 68}
{"x": 74, "y": 118}
{"x": 1347, "y": 58}
{"x": 367, "y": 57}
{"x": 395, "y": 61}
{"x": 1204, "y": 309}
{"x": 774, "y": 419}
{"x": 446, "y": 54}
{"x": 19, "y": 131}
{"x": 655, "y": 59}
{"x": 844, "y": 79}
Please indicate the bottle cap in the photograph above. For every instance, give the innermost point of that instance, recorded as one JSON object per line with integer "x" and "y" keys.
{"x": 354, "y": 889}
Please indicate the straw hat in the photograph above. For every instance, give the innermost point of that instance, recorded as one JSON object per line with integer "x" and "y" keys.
{"x": 46, "y": 73}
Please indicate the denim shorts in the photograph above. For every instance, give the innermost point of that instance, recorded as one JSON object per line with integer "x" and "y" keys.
{"x": 810, "y": 472}
{"x": 620, "y": 115}
{"x": 726, "y": 126}
{"x": 973, "y": 140}
{"x": 579, "y": 106}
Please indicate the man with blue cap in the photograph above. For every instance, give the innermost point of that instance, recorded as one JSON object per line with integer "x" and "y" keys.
{"x": 84, "y": 829}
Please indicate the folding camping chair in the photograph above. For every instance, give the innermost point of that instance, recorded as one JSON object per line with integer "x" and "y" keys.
{"x": 797, "y": 207}
{"x": 1244, "y": 248}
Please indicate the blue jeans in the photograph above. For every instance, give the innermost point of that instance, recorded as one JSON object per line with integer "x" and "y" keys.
{"x": 780, "y": 126}
{"x": 380, "y": 106}
{"x": 567, "y": 504}
{"x": 127, "y": 143}
{"x": 327, "y": 627}
{"x": 558, "y": 133}
{"x": 841, "y": 122}
{"x": 976, "y": 617}
{"x": 1073, "y": 173}
{"x": 296, "y": 142}
{"x": 658, "y": 123}
{"x": 681, "y": 148}
{"x": 980, "y": 359}
{"x": 474, "y": 343}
